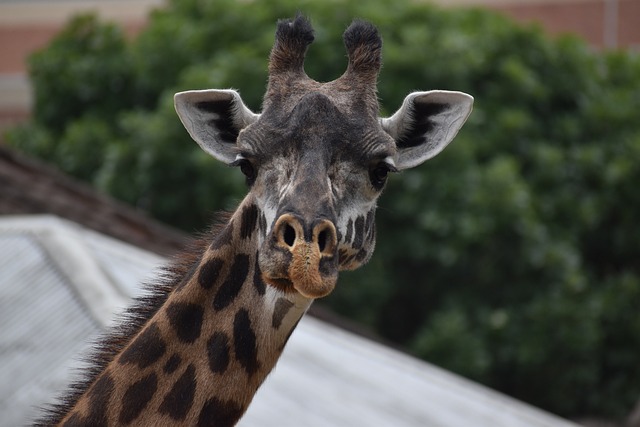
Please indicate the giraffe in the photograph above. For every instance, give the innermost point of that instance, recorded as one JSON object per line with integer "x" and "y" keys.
{"x": 195, "y": 349}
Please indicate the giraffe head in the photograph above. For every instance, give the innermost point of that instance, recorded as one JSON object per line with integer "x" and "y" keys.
{"x": 317, "y": 158}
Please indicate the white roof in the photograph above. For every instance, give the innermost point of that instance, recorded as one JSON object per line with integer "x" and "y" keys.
{"x": 60, "y": 285}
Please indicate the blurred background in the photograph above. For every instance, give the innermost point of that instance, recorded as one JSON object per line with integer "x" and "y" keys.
{"x": 510, "y": 259}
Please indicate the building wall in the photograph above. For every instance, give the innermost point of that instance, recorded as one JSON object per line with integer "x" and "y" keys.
{"x": 602, "y": 23}
{"x": 26, "y": 26}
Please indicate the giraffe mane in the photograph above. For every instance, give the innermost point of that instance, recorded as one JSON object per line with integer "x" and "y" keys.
{"x": 112, "y": 341}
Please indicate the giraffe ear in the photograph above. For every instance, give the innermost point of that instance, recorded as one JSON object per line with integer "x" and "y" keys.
{"x": 425, "y": 124}
{"x": 214, "y": 118}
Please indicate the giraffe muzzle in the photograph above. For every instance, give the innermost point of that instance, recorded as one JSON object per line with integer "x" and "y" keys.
{"x": 312, "y": 270}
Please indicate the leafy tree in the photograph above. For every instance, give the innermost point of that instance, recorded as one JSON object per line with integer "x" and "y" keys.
{"x": 509, "y": 258}
{"x": 86, "y": 70}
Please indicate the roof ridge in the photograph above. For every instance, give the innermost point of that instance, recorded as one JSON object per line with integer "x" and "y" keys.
{"x": 30, "y": 186}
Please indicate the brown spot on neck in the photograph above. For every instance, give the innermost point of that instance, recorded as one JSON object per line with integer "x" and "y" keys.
{"x": 178, "y": 401}
{"x": 282, "y": 307}
{"x": 137, "y": 397}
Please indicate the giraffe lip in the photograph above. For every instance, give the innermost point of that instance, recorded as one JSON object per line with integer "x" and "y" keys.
{"x": 305, "y": 287}
{"x": 281, "y": 283}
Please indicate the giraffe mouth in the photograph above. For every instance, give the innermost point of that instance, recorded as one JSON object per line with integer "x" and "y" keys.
{"x": 307, "y": 273}
{"x": 301, "y": 259}
{"x": 300, "y": 268}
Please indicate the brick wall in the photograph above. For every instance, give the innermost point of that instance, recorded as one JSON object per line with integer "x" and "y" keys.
{"x": 28, "y": 26}
{"x": 602, "y": 23}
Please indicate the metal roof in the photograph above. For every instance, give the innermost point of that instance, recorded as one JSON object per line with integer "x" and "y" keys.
{"x": 60, "y": 284}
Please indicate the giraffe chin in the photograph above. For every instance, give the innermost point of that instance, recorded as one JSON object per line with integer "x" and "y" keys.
{"x": 312, "y": 286}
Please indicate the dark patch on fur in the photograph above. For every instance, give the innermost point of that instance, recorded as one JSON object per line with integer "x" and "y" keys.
{"x": 146, "y": 349}
{"x": 223, "y": 122}
{"x": 233, "y": 283}
{"x": 136, "y": 398}
{"x": 224, "y": 237}
{"x": 172, "y": 364}
{"x": 249, "y": 221}
{"x": 422, "y": 124}
{"x": 328, "y": 266}
{"x": 369, "y": 221}
{"x": 178, "y": 401}
{"x": 342, "y": 256}
{"x": 350, "y": 258}
{"x": 262, "y": 225}
{"x": 209, "y": 272}
{"x": 218, "y": 352}
{"x": 144, "y": 308}
{"x": 283, "y": 306}
{"x": 361, "y": 255}
{"x": 244, "y": 341}
{"x": 358, "y": 233}
{"x": 372, "y": 232}
{"x": 347, "y": 237}
{"x": 186, "y": 320}
{"x": 99, "y": 396}
{"x": 216, "y": 413}
{"x": 187, "y": 277}
{"x": 258, "y": 283}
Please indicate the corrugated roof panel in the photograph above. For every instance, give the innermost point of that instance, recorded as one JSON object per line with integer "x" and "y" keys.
{"x": 329, "y": 377}
{"x": 126, "y": 265}
{"x": 43, "y": 322}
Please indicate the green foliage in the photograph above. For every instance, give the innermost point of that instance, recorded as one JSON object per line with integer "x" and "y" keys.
{"x": 85, "y": 70}
{"x": 510, "y": 258}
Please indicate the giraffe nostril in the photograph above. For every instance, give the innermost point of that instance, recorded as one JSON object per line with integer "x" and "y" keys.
{"x": 289, "y": 229}
{"x": 325, "y": 237}
{"x": 322, "y": 240}
{"x": 289, "y": 235}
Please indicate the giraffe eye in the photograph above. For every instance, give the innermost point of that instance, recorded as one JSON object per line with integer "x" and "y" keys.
{"x": 246, "y": 168}
{"x": 378, "y": 174}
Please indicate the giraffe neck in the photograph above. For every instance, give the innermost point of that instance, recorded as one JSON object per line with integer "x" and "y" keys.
{"x": 200, "y": 358}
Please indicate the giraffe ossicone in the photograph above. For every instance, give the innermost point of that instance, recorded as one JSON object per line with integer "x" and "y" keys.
{"x": 316, "y": 160}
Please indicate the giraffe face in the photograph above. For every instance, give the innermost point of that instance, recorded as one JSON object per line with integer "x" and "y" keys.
{"x": 315, "y": 173}
{"x": 316, "y": 159}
